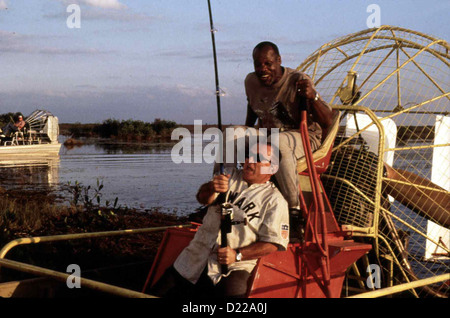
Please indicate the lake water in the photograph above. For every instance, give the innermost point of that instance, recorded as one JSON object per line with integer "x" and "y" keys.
{"x": 142, "y": 177}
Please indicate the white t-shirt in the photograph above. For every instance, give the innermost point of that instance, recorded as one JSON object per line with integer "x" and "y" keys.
{"x": 267, "y": 220}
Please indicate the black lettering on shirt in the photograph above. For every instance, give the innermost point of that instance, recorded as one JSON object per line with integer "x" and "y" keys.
{"x": 239, "y": 203}
{"x": 248, "y": 207}
{"x": 232, "y": 196}
{"x": 251, "y": 216}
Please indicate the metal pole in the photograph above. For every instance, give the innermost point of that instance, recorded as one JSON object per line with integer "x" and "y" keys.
{"x": 77, "y": 236}
{"x": 224, "y": 227}
{"x": 216, "y": 72}
{"x": 403, "y": 287}
{"x": 62, "y": 277}
{"x": 216, "y": 75}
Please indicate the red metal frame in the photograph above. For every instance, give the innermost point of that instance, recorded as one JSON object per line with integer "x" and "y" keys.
{"x": 316, "y": 267}
{"x": 173, "y": 242}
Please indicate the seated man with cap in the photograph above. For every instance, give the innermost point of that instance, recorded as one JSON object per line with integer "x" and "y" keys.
{"x": 260, "y": 227}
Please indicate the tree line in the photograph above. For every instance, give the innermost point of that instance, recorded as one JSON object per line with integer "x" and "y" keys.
{"x": 124, "y": 129}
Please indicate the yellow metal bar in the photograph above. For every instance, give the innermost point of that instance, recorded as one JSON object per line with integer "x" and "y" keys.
{"x": 340, "y": 50}
{"x": 315, "y": 67}
{"x": 359, "y": 276}
{"x": 445, "y": 113}
{"x": 376, "y": 68}
{"x": 406, "y": 110}
{"x": 62, "y": 277}
{"x": 396, "y": 70}
{"x": 403, "y": 287}
{"x": 366, "y": 263}
{"x": 381, "y": 136}
{"x": 390, "y": 259}
{"x": 365, "y": 197}
{"x": 375, "y": 121}
{"x": 424, "y": 73}
{"x": 396, "y": 260}
{"x": 399, "y": 94}
{"x": 348, "y": 58}
{"x": 363, "y": 51}
{"x": 359, "y": 36}
{"x": 417, "y": 147}
{"x": 77, "y": 236}
{"x": 414, "y": 229}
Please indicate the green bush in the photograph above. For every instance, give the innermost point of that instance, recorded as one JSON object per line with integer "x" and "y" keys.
{"x": 135, "y": 129}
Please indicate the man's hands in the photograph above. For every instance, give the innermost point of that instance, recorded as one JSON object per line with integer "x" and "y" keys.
{"x": 305, "y": 88}
{"x": 322, "y": 113}
{"x": 226, "y": 255}
{"x": 220, "y": 183}
{"x": 208, "y": 191}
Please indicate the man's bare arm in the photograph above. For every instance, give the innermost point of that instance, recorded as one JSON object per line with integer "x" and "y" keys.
{"x": 227, "y": 255}
{"x": 251, "y": 117}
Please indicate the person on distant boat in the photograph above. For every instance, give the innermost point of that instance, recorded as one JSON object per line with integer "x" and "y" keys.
{"x": 197, "y": 271}
{"x": 273, "y": 94}
{"x": 18, "y": 125}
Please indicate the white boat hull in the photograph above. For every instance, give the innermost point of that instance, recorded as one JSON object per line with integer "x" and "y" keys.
{"x": 38, "y": 150}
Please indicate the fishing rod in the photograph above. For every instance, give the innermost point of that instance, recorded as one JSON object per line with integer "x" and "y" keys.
{"x": 216, "y": 72}
{"x": 226, "y": 210}
{"x": 216, "y": 75}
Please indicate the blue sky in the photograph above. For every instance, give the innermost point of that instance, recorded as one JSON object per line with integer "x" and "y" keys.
{"x": 147, "y": 59}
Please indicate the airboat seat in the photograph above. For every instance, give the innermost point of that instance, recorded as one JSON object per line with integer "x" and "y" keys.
{"x": 322, "y": 155}
{"x": 15, "y": 138}
{"x": 19, "y": 137}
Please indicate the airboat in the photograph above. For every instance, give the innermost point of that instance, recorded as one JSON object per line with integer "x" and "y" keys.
{"x": 39, "y": 138}
{"x": 375, "y": 195}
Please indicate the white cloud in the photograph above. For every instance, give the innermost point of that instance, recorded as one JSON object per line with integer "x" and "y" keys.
{"x": 112, "y": 10}
{"x": 193, "y": 91}
{"x": 3, "y": 5}
{"x": 105, "y": 4}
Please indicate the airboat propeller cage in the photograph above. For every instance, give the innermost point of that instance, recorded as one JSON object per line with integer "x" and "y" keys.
{"x": 45, "y": 123}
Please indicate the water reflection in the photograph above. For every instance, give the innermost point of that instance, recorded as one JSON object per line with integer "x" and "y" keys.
{"x": 141, "y": 176}
{"x": 29, "y": 174}
{"x": 113, "y": 148}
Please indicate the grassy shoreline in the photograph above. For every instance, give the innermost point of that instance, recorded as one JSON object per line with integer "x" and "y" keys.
{"x": 37, "y": 213}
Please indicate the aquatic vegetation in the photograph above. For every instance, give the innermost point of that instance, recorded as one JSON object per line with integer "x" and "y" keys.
{"x": 40, "y": 213}
{"x": 28, "y": 213}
